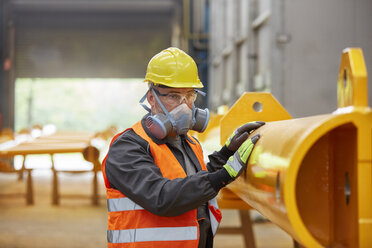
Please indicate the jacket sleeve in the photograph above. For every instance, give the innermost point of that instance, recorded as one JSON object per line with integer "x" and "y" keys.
{"x": 130, "y": 168}
{"x": 218, "y": 159}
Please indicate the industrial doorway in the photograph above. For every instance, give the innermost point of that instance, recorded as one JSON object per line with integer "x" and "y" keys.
{"x": 60, "y": 43}
{"x": 81, "y": 104}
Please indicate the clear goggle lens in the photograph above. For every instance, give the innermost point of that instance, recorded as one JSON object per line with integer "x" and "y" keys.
{"x": 177, "y": 98}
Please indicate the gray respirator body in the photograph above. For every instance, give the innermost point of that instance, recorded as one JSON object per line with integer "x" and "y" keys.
{"x": 180, "y": 120}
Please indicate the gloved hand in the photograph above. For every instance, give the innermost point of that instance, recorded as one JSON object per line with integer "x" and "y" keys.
{"x": 238, "y": 162}
{"x": 241, "y": 134}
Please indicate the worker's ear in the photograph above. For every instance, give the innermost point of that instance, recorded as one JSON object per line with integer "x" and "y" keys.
{"x": 151, "y": 99}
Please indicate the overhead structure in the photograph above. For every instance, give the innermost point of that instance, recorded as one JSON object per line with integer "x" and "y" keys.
{"x": 312, "y": 176}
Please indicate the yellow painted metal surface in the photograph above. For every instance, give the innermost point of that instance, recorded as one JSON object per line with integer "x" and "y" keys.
{"x": 250, "y": 106}
{"x": 352, "y": 80}
{"x": 214, "y": 123}
{"x": 312, "y": 176}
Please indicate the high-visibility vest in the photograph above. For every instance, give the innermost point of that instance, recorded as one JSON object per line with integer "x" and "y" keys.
{"x": 131, "y": 226}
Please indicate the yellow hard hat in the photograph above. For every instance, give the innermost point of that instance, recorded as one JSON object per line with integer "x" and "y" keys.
{"x": 173, "y": 68}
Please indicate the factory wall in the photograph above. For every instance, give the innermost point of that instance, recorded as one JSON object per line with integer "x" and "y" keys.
{"x": 290, "y": 48}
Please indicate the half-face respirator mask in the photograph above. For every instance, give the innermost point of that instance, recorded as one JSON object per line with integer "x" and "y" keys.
{"x": 180, "y": 120}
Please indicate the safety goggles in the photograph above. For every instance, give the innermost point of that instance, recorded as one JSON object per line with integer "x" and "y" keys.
{"x": 174, "y": 98}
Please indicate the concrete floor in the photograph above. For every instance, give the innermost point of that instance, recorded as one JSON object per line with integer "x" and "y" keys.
{"x": 75, "y": 223}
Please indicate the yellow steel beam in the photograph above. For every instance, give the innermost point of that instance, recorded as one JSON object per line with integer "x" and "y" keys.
{"x": 312, "y": 176}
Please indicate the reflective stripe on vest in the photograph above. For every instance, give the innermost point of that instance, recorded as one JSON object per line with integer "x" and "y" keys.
{"x": 122, "y": 204}
{"x": 214, "y": 214}
{"x": 129, "y": 223}
{"x": 153, "y": 234}
{"x": 126, "y": 204}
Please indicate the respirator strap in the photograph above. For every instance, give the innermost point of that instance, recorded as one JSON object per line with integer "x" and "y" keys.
{"x": 144, "y": 105}
{"x": 163, "y": 108}
{"x": 193, "y": 107}
{"x": 193, "y": 121}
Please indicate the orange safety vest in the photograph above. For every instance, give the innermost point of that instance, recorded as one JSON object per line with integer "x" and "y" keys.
{"x": 131, "y": 226}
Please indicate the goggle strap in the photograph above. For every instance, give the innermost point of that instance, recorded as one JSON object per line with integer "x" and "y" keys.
{"x": 193, "y": 115}
{"x": 201, "y": 92}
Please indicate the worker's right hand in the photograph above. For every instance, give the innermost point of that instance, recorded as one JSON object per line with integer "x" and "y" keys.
{"x": 241, "y": 134}
{"x": 238, "y": 162}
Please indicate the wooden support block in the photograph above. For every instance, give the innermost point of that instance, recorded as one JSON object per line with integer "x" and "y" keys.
{"x": 245, "y": 229}
{"x": 55, "y": 190}
{"x": 29, "y": 194}
{"x": 29, "y": 188}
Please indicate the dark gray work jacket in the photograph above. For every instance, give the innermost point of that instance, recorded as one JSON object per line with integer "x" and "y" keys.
{"x": 130, "y": 168}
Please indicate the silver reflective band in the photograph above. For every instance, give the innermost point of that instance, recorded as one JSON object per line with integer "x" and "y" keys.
{"x": 153, "y": 234}
{"x": 235, "y": 163}
{"x": 214, "y": 223}
{"x": 122, "y": 204}
{"x": 213, "y": 202}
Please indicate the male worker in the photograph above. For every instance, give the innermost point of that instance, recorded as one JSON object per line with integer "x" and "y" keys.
{"x": 160, "y": 193}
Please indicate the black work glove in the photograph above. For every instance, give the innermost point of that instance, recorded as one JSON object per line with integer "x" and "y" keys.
{"x": 241, "y": 134}
{"x": 235, "y": 165}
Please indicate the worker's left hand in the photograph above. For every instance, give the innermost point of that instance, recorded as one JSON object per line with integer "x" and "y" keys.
{"x": 238, "y": 162}
{"x": 241, "y": 134}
